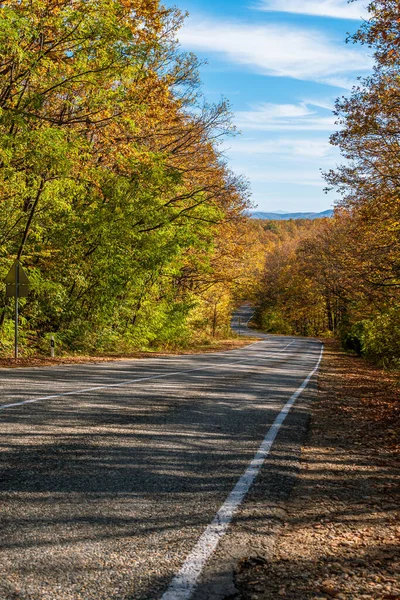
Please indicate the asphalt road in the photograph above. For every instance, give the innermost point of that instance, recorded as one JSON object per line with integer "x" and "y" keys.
{"x": 110, "y": 473}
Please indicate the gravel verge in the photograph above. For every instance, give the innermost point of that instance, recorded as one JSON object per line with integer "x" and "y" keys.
{"x": 340, "y": 536}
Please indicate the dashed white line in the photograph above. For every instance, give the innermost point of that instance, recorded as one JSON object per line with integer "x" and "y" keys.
{"x": 183, "y": 585}
{"x": 125, "y": 382}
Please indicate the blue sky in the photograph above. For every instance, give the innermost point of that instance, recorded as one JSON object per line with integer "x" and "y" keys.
{"x": 281, "y": 64}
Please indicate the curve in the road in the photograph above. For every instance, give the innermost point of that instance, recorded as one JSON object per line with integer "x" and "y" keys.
{"x": 183, "y": 585}
{"x": 133, "y": 470}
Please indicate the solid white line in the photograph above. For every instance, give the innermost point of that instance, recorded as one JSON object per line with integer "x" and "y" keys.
{"x": 126, "y": 382}
{"x": 184, "y": 583}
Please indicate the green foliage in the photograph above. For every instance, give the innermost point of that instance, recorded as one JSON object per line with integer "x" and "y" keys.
{"x": 378, "y": 337}
{"x": 112, "y": 187}
{"x": 274, "y": 322}
{"x": 354, "y": 339}
{"x": 7, "y": 338}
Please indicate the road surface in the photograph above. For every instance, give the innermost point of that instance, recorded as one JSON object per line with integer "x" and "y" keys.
{"x": 111, "y": 473}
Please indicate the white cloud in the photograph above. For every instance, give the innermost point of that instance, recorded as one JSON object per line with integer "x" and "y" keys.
{"x": 276, "y": 50}
{"x": 284, "y": 144}
{"x": 285, "y": 147}
{"x": 339, "y": 9}
{"x": 284, "y": 156}
{"x": 273, "y": 174}
{"x": 341, "y": 82}
{"x": 282, "y": 111}
{"x": 279, "y": 117}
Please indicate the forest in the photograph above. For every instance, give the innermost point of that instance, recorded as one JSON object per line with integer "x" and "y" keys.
{"x": 116, "y": 198}
{"x": 114, "y": 194}
{"x": 341, "y": 276}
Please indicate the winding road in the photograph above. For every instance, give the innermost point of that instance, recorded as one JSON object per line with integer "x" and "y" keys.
{"x": 148, "y": 479}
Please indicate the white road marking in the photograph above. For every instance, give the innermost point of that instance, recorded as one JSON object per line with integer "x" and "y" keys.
{"x": 283, "y": 349}
{"x": 248, "y": 320}
{"x": 126, "y": 382}
{"x": 184, "y": 583}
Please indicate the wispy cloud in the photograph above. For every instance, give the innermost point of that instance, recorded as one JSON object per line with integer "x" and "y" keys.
{"x": 286, "y": 147}
{"x": 339, "y": 9}
{"x": 280, "y": 117}
{"x": 284, "y": 143}
{"x": 277, "y": 50}
{"x": 266, "y": 174}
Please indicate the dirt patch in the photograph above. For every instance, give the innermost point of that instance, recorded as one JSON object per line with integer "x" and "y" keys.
{"x": 341, "y": 535}
{"x": 43, "y": 361}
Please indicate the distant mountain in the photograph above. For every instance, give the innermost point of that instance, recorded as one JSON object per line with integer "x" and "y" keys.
{"x": 282, "y": 216}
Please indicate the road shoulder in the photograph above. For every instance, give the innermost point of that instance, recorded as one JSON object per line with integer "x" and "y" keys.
{"x": 339, "y": 538}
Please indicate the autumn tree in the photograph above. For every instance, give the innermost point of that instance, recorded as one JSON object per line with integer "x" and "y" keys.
{"x": 291, "y": 300}
{"x": 109, "y": 167}
{"x": 369, "y": 180}
{"x": 233, "y": 274}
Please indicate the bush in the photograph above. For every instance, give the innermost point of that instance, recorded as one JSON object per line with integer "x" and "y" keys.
{"x": 274, "y": 322}
{"x": 381, "y": 337}
{"x": 377, "y": 338}
{"x": 353, "y": 340}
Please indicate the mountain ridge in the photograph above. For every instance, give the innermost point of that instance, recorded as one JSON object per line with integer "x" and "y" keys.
{"x": 283, "y": 216}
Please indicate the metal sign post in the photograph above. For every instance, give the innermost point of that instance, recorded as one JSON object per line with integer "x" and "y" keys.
{"x": 16, "y": 310}
{"x": 17, "y": 285}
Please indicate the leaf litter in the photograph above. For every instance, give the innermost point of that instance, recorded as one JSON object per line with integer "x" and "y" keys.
{"x": 341, "y": 535}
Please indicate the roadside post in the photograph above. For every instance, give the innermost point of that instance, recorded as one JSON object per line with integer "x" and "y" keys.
{"x": 17, "y": 286}
{"x": 52, "y": 346}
